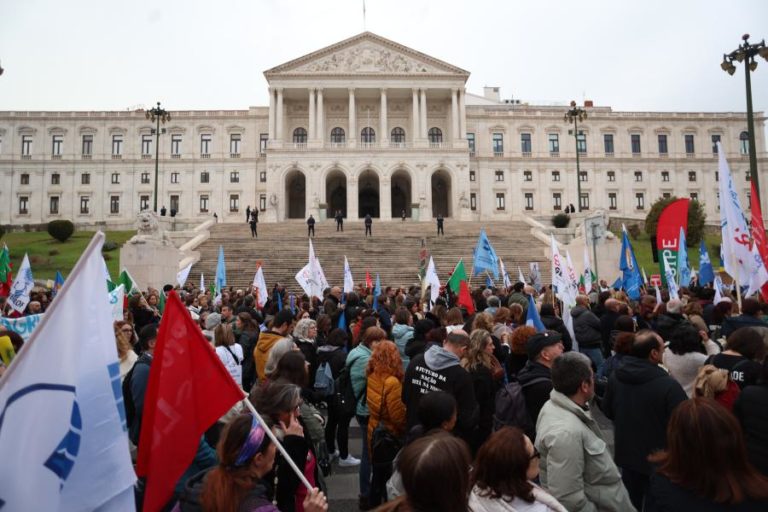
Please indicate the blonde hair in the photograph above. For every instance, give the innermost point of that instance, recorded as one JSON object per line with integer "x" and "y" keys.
{"x": 710, "y": 381}
{"x": 476, "y": 355}
{"x": 223, "y": 335}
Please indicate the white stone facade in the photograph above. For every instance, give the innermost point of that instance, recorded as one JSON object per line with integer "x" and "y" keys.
{"x": 363, "y": 126}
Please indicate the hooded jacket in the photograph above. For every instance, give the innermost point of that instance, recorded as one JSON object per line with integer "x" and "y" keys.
{"x": 586, "y": 327}
{"x": 640, "y": 399}
{"x": 439, "y": 370}
{"x": 265, "y": 343}
{"x": 402, "y": 334}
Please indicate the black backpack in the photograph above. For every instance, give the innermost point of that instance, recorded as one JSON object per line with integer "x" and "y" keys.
{"x": 510, "y": 409}
{"x": 344, "y": 395}
{"x": 130, "y": 406}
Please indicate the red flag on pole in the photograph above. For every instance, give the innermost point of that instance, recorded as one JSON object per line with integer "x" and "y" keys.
{"x": 758, "y": 234}
{"x": 368, "y": 280}
{"x": 188, "y": 390}
{"x": 465, "y": 298}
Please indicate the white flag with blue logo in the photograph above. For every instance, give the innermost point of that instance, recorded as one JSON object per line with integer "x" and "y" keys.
{"x": 349, "y": 283}
{"x": 63, "y": 437}
{"x": 21, "y": 287}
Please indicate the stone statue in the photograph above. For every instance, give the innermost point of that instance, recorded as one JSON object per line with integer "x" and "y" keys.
{"x": 149, "y": 231}
{"x": 273, "y": 199}
{"x": 463, "y": 203}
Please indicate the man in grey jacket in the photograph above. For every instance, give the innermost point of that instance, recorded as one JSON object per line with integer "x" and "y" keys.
{"x": 576, "y": 465}
{"x": 586, "y": 329}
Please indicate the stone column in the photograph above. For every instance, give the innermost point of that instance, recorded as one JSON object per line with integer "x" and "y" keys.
{"x": 384, "y": 137}
{"x": 279, "y": 115}
{"x": 352, "y": 135}
{"x": 271, "y": 113}
{"x": 312, "y": 134}
{"x": 385, "y": 198}
{"x": 415, "y": 116}
{"x": 320, "y": 118}
{"x": 352, "y": 205}
{"x": 423, "y": 120}
{"x": 462, "y": 115}
{"x": 454, "y": 115}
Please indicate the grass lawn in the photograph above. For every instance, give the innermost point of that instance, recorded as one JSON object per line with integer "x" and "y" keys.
{"x": 642, "y": 248}
{"x": 47, "y": 255}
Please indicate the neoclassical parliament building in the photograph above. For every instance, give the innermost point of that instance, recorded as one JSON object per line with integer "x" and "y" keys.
{"x": 365, "y": 126}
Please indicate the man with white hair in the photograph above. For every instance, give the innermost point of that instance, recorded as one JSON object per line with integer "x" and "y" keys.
{"x": 666, "y": 323}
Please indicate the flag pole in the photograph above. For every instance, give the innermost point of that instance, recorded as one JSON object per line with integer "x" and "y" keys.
{"x": 277, "y": 443}
{"x": 738, "y": 293}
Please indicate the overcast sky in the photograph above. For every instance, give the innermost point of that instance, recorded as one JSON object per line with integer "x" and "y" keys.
{"x": 194, "y": 54}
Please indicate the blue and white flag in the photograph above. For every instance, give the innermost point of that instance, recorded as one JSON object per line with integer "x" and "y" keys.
{"x": 22, "y": 286}
{"x": 631, "y": 278}
{"x": 504, "y": 275}
{"x": 484, "y": 257}
{"x": 706, "y": 272}
{"x": 737, "y": 258}
{"x": 116, "y": 299}
{"x": 683, "y": 267}
{"x": 618, "y": 284}
{"x": 671, "y": 284}
{"x": 221, "y": 272}
{"x": 717, "y": 284}
{"x": 23, "y": 326}
{"x": 349, "y": 283}
{"x": 63, "y": 437}
{"x": 488, "y": 282}
{"x": 202, "y": 283}
{"x": 532, "y": 318}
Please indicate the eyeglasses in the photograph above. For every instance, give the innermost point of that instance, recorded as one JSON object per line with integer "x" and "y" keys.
{"x": 535, "y": 454}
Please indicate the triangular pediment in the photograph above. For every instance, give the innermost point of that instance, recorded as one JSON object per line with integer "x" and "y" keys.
{"x": 366, "y": 54}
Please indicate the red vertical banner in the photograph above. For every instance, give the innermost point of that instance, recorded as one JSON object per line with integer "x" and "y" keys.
{"x": 758, "y": 233}
{"x": 672, "y": 218}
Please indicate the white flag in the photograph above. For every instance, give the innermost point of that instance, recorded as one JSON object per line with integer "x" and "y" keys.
{"x": 520, "y": 276}
{"x": 202, "y": 283}
{"x": 568, "y": 322}
{"x": 106, "y": 270}
{"x": 63, "y": 437}
{"x": 433, "y": 281}
{"x": 737, "y": 258}
{"x": 504, "y": 275}
{"x": 116, "y": 299}
{"x": 587, "y": 272}
{"x": 22, "y": 286}
{"x": 311, "y": 277}
{"x": 349, "y": 283}
{"x": 658, "y": 295}
{"x": 183, "y": 274}
{"x": 260, "y": 284}
{"x": 671, "y": 284}
{"x": 573, "y": 281}
{"x": 559, "y": 279}
{"x": 759, "y": 274}
{"x": 718, "y": 285}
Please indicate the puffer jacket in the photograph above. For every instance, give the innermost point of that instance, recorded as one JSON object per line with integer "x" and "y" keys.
{"x": 586, "y": 327}
{"x": 385, "y": 404}
{"x": 576, "y": 465}
{"x": 357, "y": 362}
{"x": 401, "y": 335}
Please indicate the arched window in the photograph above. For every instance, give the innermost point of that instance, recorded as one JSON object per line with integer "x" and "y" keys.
{"x": 435, "y": 135}
{"x": 367, "y": 136}
{"x": 398, "y": 135}
{"x": 337, "y": 135}
{"x": 744, "y": 143}
{"x": 299, "y": 136}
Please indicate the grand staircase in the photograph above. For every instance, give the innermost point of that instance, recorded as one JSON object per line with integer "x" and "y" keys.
{"x": 392, "y": 252}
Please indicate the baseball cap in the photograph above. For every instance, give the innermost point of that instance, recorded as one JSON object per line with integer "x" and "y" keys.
{"x": 540, "y": 341}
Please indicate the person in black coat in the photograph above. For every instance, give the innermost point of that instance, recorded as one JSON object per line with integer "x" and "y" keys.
{"x": 751, "y": 409}
{"x": 368, "y": 224}
{"x": 535, "y": 378}
{"x": 337, "y": 426}
{"x": 552, "y": 322}
{"x": 311, "y": 226}
{"x": 640, "y": 398}
{"x": 667, "y": 322}
{"x": 607, "y": 321}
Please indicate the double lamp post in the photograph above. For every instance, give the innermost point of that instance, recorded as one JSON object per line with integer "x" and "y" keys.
{"x": 157, "y": 115}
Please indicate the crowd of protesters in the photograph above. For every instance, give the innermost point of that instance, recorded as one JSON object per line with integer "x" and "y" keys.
{"x": 477, "y": 411}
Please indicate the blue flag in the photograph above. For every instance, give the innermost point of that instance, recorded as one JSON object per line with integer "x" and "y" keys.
{"x": 293, "y": 304}
{"x": 376, "y": 293}
{"x": 279, "y": 301}
{"x": 488, "y": 282}
{"x": 683, "y": 267}
{"x": 221, "y": 272}
{"x": 57, "y": 284}
{"x": 631, "y": 279}
{"x": 706, "y": 272}
{"x": 532, "y": 318}
{"x": 343, "y": 317}
{"x": 484, "y": 257}
{"x": 617, "y": 284}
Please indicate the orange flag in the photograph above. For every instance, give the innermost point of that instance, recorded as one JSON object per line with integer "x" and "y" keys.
{"x": 188, "y": 390}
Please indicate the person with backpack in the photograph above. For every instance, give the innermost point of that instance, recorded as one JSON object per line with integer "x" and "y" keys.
{"x": 135, "y": 382}
{"x": 535, "y": 378}
{"x": 744, "y": 348}
{"x": 480, "y": 363}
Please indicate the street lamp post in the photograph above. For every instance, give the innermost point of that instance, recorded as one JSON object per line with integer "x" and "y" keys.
{"x": 746, "y": 53}
{"x": 575, "y": 115}
{"x": 157, "y": 115}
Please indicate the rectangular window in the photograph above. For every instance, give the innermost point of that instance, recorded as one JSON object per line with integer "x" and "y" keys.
{"x": 695, "y": 197}
{"x": 55, "y": 179}
{"x": 24, "y": 179}
{"x": 557, "y": 201}
{"x": 612, "y": 203}
{"x": 691, "y": 175}
{"x": 145, "y": 178}
{"x": 715, "y": 140}
{"x": 205, "y": 177}
{"x": 87, "y": 145}
{"x": 234, "y": 202}
{"x": 501, "y": 202}
{"x": 53, "y": 205}
{"x": 57, "y": 142}
{"x": 114, "y": 204}
{"x": 176, "y": 145}
{"x": 555, "y": 175}
{"x": 583, "y": 177}
{"x": 554, "y": 144}
{"x": 23, "y": 205}
{"x": 117, "y": 145}
{"x": 146, "y": 145}
{"x": 611, "y": 176}
{"x": 472, "y": 176}
{"x": 529, "y": 200}
{"x": 667, "y": 195}
{"x": 205, "y": 144}
{"x": 234, "y": 144}
{"x": 471, "y": 143}
{"x": 525, "y": 143}
{"x": 85, "y": 178}
{"x": 174, "y": 205}
{"x": 473, "y": 201}
{"x": 527, "y": 176}
{"x": 747, "y": 176}
{"x": 263, "y": 139}
{"x": 234, "y": 177}
{"x": 498, "y": 144}
{"x": 263, "y": 177}
{"x": 638, "y": 176}
{"x": 717, "y": 175}
{"x": 663, "y": 150}
{"x": 581, "y": 142}
{"x": 689, "y": 149}
{"x": 584, "y": 201}
{"x": 499, "y": 175}
{"x": 26, "y": 145}
{"x": 143, "y": 203}
{"x": 263, "y": 202}
{"x": 115, "y": 178}
{"x": 204, "y": 204}
{"x": 174, "y": 177}
{"x": 85, "y": 208}
{"x": 664, "y": 175}
{"x": 608, "y": 143}
{"x": 635, "y": 139}
{"x": 640, "y": 201}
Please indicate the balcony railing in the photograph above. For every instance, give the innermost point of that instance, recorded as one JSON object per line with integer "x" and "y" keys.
{"x": 146, "y": 156}
{"x": 117, "y": 157}
{"x": 205, "y": 155}
{"x": 26, "y": 157}
{"x": 234, "y": 155}
{"x": 86, "y": 156}
{"x": 176, "y": 156}
{"x": 55, "y": 157}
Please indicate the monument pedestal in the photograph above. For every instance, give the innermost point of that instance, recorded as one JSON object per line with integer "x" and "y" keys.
{"x": 151, "y": 264}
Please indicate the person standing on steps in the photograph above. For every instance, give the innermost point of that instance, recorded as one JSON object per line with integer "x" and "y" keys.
{"x": 248, "y": 213}
{"x": 339, "y": 221}
{"x": 162, "y": 211}
{"x": 440, "y": 224}
{"x": 403, "y": 214}
{"x": 368, "y": 224}
{"x": 254, "y": 221}
{"x": 311, "y": 226}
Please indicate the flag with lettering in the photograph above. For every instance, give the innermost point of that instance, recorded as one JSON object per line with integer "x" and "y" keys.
{"x": 671, "y": 284}
{"x": 504, "y": 275}
{"x": 559, "y": 278}
{"x": 484, "y": 258}
{"x": 587, "y": 274}
{"x": 683, "y": 267}
{"x": 22, "y": 287}
{"x": 737, "y": 257}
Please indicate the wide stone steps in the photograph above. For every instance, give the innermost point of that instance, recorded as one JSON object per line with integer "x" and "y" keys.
{"x": 393, "y": 251}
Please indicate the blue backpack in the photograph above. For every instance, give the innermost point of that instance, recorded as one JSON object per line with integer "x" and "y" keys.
{"x": 324, "y": 384}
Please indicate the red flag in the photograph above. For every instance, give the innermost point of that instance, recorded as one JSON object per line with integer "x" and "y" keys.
{"x": 188, "y": 390}
{"x": 368, "y": 280}
{"x": 465, "y": 299}
{"x": 758, "y": 234}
